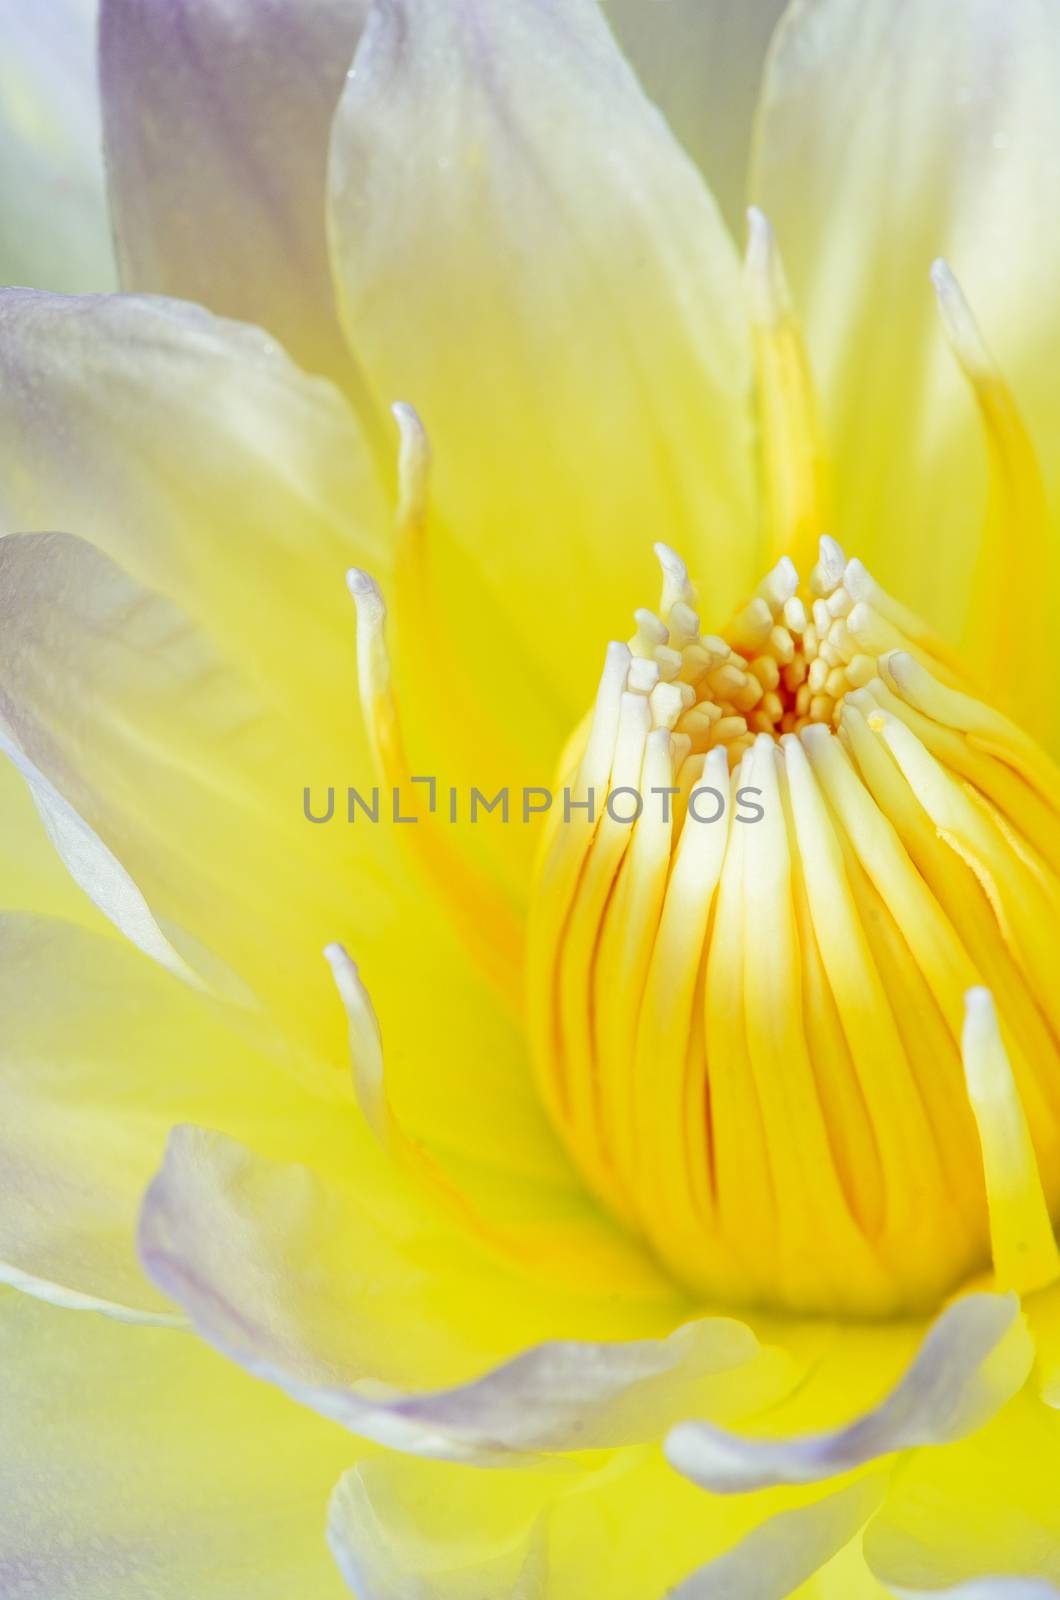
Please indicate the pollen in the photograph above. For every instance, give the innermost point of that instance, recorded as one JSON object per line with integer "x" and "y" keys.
{"x": 748, "y": 1028}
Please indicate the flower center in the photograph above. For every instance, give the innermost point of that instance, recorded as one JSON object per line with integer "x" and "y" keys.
{"x": 748, "y": 995}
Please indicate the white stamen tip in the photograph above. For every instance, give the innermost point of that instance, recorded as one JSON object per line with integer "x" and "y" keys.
{"x": 962, "y": 330}
{"x": 767, "y": 289}
{"x": 363, "y": 586}
{"x": 414, "y": 461}
{"x": 365, "y": 1039}
{"x": 677, "y": 587}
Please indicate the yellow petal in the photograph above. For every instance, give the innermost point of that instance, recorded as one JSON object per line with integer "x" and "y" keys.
{"x": 423, "y": 1341}
{"x": 982, "y": 1513}
{"x": 949, "y": 117}
{"x": 136, "y": 1461}
{"x": 195, "y": 453}
{"x": 527, "y": 257}
{"x": 103, "y": 1052}
{"x": 973, "y": 1358}
{"x": 460, "y": 1534}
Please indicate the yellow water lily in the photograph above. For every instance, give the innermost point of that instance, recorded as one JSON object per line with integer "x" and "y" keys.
{"x": 512, "y": 1089}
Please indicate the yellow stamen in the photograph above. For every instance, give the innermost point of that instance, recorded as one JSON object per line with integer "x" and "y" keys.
{"x": 1021, "y": 1232}
{"x": 751, "y": 1030}
{"x": 481, "y": 914}
{"x": 795, "y": 472}
{"x": 1008, "y": 621}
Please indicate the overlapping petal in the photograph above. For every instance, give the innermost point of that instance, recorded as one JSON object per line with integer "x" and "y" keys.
{"x": 102, "y": 1052}
{"x": 787, "y": 1549}
{"x": 135, "y": 1461}
{"x": 217, "y": 120}
{"x": 54, "y": 229}
{"x": 973, "y": 1358}
{"x": 153, "y": 749}
{"x": 194, "y": 452}
{"x": 950, "y": 131}
{"x": 408, "y": 1529}
{"x": 526, "y": 255}
{"x": 978, "y": 1518}
{"x": 298, "y": 1282}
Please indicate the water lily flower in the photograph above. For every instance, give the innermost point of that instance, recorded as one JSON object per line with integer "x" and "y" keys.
{"x": 617, "y": 1200}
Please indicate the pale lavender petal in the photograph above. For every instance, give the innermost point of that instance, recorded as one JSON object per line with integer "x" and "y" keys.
{"x": 296, "y": 1282}
{"x": 974, "y": 1357}
{"x": 216, "y": 119}
{"x": 785, "y": 1550}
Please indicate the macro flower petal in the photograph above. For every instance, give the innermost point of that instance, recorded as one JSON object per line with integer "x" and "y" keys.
{"x": 102, "y": 1053}
{"x": 159, "y": 749}
{"x": 34, "y": 875}
{"x": 381, "y": 1536}
{"x": 526, "y": 256}
{"x": 194, "y": 452}
{"x": 973, "y": 1358}
{"x": 407, "y": 1529}
{"x": 976, "y": 1513}
{"x": 295, "y": 1280}
{"x": 217, "y": 120}
{"x": 786, "y": 1549}
{"x": 951, "y": 121}
{"x": 135, "y": 1461}
{"x": 92, "y": 866}
{"x": 54, "y": 229}
{"x": 701, "y": 62}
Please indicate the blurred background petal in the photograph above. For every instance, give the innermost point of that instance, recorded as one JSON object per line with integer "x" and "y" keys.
{"x": 701, "y": 62}
{"x": 54, "y": 229}
{"x": 217, "y": 115}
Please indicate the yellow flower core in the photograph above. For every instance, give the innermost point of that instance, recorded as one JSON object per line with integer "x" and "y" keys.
{"x": 748, "y": 1032}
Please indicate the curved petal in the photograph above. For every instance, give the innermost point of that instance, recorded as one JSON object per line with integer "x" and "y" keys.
{"x": 93, "y": 867}
{"x": 786, "y": 1550}
{"x": 985, "y": 1589}
{"x": 102, "y": 1052}
{"x": 33, "y": 875}
{"x": 384, "y": 1548}
{"x": 974, "y": 1357}
{"x": 527, "y": 257}
{"x": 701, "y": 62}
{"x": 133, "y": 1461}
{"x": 175, "y": 768}
{"x": 950, "y": 119}
{"x": 294, "y": 1280}
{"x": 101, "y": 1055}
{"x": 149, "y": 749}
{"x": 54, "y": 227}
{"x": 195, "y": 453}
{"x": 626, "y": 1527}
{"x": 977, "y": 1520}
{"x": 217, "y": 120}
